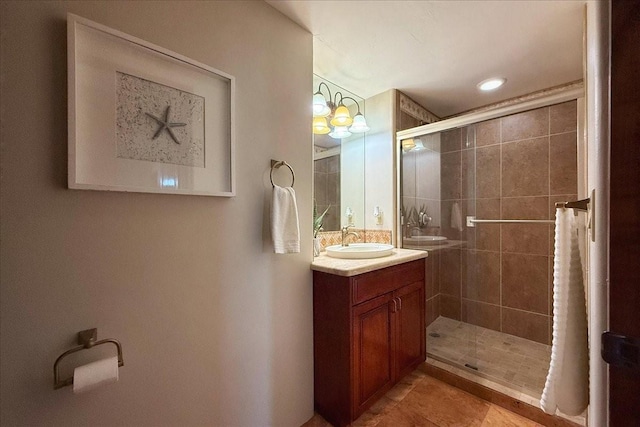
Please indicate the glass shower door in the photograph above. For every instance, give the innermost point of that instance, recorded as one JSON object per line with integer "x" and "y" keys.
{"x": 437, "y": 192}
{"x": 458, "y": 292}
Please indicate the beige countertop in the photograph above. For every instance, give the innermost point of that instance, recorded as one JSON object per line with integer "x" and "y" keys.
{"x": 352, "y": 267}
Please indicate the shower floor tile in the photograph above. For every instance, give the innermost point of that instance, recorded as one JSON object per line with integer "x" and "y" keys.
{"x": 512, "y": 361}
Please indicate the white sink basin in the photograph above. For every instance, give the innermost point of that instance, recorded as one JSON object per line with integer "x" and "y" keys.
{"x": 425, "y": 240}
{"x": 360, "y": 250}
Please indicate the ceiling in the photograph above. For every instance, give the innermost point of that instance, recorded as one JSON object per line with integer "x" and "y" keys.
{"x": 437, "y": 51}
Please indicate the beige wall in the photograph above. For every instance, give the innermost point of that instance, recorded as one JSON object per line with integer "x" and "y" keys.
{"x": 216, "y": 329}
{"x": 379, "y": 158}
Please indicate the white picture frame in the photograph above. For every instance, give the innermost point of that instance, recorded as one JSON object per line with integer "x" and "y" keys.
{"x": 117, "y": 141}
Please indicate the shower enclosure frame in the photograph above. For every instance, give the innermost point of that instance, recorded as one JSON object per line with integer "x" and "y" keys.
{"x": 571, "y": 92}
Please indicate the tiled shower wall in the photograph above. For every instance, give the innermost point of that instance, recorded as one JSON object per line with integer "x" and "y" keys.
{"x": 327, "y": 190}
{"x": 502, "y": 278}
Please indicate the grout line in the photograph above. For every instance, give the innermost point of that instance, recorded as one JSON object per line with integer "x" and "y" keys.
{"x": 561, "y": 133}
{"x": 460, "y": 284}
{"x": 525, "y": 253}
{"x": 528, "y": 312}
{"x": 500, "y": 231}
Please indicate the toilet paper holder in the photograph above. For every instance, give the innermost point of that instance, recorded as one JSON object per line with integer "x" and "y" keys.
{"x": 87, "y": 339}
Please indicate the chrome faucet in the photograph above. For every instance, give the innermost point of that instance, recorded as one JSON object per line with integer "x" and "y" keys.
{"x": 346, "y": 233}
{"x": 423, "y": 219}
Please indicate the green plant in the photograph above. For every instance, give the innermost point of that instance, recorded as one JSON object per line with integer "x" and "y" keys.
{"x": 318, "y": 219}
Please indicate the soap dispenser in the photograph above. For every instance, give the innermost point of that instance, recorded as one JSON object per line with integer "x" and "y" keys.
{"x": 349, "y": 214}
{"x": 377, "y": 214}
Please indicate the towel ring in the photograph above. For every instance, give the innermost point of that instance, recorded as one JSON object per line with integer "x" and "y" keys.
{"x": 275, "y": 164}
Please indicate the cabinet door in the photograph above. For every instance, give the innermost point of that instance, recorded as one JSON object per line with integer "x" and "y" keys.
{"x": 409, "y": 328}
{"x": 373, "y": 358}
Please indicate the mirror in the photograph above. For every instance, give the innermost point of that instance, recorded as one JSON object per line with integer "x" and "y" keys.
{"x": 338, "y": 167}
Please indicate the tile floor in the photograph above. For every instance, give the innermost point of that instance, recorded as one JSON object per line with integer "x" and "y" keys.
{"x": 512, "y": 361}
{"x": 420, "y": 400}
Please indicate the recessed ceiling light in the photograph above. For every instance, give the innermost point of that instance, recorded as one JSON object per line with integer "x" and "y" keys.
{"x": 491, "y": 84}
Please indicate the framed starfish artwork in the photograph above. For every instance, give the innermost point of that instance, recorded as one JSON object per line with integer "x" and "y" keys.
{"x": 145, "y": 119}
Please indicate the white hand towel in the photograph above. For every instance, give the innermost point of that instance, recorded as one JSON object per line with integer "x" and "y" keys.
{"x": 456, "y": 217}
{"x": 567, "y": 385}
{"x": 285, "y": 230}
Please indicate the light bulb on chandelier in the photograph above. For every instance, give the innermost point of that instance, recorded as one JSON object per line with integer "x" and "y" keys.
{"x": 340, "y": 118}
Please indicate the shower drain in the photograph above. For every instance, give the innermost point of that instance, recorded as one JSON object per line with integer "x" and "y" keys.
{"x": 434, "y": 334}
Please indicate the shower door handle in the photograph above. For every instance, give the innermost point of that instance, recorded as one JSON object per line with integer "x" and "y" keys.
{"x": 619, "y": 350}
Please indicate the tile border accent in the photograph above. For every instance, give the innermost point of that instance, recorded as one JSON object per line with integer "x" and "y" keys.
{"x": 416, "y": 110}
{"x": 330, "y": 238}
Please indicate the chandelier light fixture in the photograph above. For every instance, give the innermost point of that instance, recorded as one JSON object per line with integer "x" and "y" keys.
{"x": 338, "y": 115}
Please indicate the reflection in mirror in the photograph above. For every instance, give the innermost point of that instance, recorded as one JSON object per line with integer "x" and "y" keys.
{"x": 421, "y": 201}
{"x": 339, "y": 162}
{"x": 326, "y": 167}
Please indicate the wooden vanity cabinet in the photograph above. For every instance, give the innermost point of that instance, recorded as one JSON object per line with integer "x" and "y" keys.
{"x": 369, "y": 332}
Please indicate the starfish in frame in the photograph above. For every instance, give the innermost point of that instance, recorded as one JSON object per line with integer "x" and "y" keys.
{"x": 166, "y": 124}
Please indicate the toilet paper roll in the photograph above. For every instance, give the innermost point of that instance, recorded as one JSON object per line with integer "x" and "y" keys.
{"x": 94, "y": 374}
